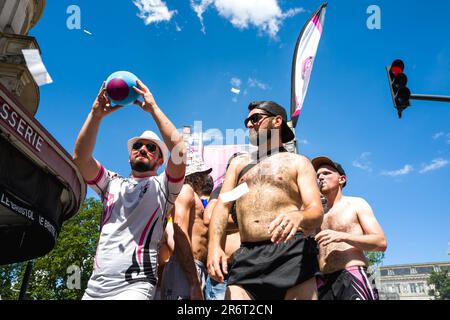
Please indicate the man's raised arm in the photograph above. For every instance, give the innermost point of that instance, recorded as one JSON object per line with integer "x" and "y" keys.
{"x": 85, "y": 143}
{"x": 177, "y": 165}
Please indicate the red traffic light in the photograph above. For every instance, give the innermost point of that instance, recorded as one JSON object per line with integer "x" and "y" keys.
{"x": 397, "y": 67}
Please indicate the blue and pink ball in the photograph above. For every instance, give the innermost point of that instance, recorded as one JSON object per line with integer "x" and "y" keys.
{"x": 119, "y": 88}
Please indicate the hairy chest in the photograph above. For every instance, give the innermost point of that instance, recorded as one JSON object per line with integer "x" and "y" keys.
{"x": 341, "y": 218}
{"x": 276, "y": 171}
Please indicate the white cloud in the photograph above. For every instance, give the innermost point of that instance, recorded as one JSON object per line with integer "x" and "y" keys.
{"x": 434, "y": 165}
{"x": 200, "y": 7}
{"x": 236, "y": 91}
{"x": 437, "y": 135}
{"x": 177, "y": 27}
{"x": 252, "y": 83}
{"x": 265, "y": 15}
{"x": 363, "y": 162}
{"x": 236, "y": 82}
{"x": 303, "y": 141}
{"x": 153, "y": 11}
{"x": 401, "y": 172}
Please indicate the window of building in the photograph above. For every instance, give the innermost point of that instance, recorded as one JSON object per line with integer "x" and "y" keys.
{"x": 421, "y": 287}
{"x": 424, "y": 270}
{"x": 413, "y": 270}
{"x": 413, "y": 288}
{"x": 405, "y": 288}
{"x": 390, "y": 272}
{"x": 437, "y": 269}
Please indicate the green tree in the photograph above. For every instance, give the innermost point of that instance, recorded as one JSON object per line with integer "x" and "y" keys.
{"x": 76, "y": 246}
{"x": 375, "y": 258}
{"x": 10, "y": 280}
{"x": 441, "y": 283}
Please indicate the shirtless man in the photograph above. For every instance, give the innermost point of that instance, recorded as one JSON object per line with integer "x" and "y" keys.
{"x": 231, "y": 241}
{"x": 184, "y": 275}
{"x": 349, "y": 228}
{"x": 276, "y": 259}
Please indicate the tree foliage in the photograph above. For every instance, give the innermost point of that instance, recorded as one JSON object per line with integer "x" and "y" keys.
{"x": 441, "y": 282}
{"x": 76, "y": 246}
{"x": 375, "y": 258}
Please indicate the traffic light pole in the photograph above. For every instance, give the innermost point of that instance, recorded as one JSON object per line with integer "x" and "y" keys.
{"x": 427, "y": 97}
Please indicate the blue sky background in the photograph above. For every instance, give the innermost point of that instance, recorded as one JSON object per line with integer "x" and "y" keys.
{"x": 348, "y": 113}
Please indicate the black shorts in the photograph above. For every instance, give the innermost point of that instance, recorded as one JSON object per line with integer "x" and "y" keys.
{"x": 267, "y": 270}
{"x": 353, "y": 283}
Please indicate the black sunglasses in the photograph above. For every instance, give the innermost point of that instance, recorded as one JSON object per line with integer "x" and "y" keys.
{"x": 150, "y": 146}
{"x": 255, "y": 118}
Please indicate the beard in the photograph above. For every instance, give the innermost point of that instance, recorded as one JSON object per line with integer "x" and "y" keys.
{"x": 141, "y": 166}
{"x": 260, "y": 137}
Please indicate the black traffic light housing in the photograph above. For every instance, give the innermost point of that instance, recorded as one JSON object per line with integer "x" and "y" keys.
{"x": 397, "y": 81}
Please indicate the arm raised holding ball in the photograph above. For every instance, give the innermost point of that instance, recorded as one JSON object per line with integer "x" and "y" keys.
{"x": 173, "y": 140}
{"x": 85, "y": 143}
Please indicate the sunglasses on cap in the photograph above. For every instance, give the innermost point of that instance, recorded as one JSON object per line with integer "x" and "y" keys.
{"x": 256, "y": 118}
{"x": 150, "y": 146}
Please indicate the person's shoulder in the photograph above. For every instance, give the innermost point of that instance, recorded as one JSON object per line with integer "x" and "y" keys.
{"x": 242, "y": 158}
{"x": 187, "y": 189}
{"x": 354, "y": 199}
{"x": 187, "y": 192}
{"x": 112, "y": 175}
{"x": 240, "y": 161}
{"x": 298, "y": 159}
{"x": 358, "y": 202}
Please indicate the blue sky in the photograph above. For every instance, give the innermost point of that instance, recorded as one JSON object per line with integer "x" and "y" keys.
{"x": 399, "y": 166}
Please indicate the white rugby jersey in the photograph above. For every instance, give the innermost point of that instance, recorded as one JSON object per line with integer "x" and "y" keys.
{"x": 133, "y": 222}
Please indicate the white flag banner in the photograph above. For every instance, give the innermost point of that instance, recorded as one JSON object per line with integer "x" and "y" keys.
{"x": 36, "y": 66}
{"x": 304, "y": 56}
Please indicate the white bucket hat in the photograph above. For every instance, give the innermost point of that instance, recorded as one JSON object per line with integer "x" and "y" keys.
{"x": 153, "y": 137}
{"x": 197, "y": 165}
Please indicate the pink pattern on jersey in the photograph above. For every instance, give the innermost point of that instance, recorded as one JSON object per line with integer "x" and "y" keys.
{"x": 108, "y": 209}
{"x": 141, "y": 240}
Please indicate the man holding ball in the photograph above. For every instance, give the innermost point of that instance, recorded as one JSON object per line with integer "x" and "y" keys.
{"x": 135, "y": 207}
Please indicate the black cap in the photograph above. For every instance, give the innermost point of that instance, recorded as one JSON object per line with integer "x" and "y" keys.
{"x": 275, "y": 109}
{"x": 320, "y": 161}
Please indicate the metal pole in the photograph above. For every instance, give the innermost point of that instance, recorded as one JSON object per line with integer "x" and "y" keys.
{"x": 26, "y": 280}
{"x": 291, "y": 146}
{"x": 430, "y": 97}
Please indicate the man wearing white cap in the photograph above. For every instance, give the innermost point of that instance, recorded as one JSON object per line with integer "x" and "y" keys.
{"x": 135, "y": 208}
{"x": 184, "y": 275}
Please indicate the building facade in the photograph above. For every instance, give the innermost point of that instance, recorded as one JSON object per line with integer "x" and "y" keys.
{"x": 408, "y": 281}
{"x": 40, "y": 186}
{"x": 17, "y": 17}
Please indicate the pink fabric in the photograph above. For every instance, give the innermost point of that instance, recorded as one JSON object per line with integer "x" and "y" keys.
{"x": 317, "y": 23}
{"x": 360, "y": 273}
{"x": 217, "y": 156}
